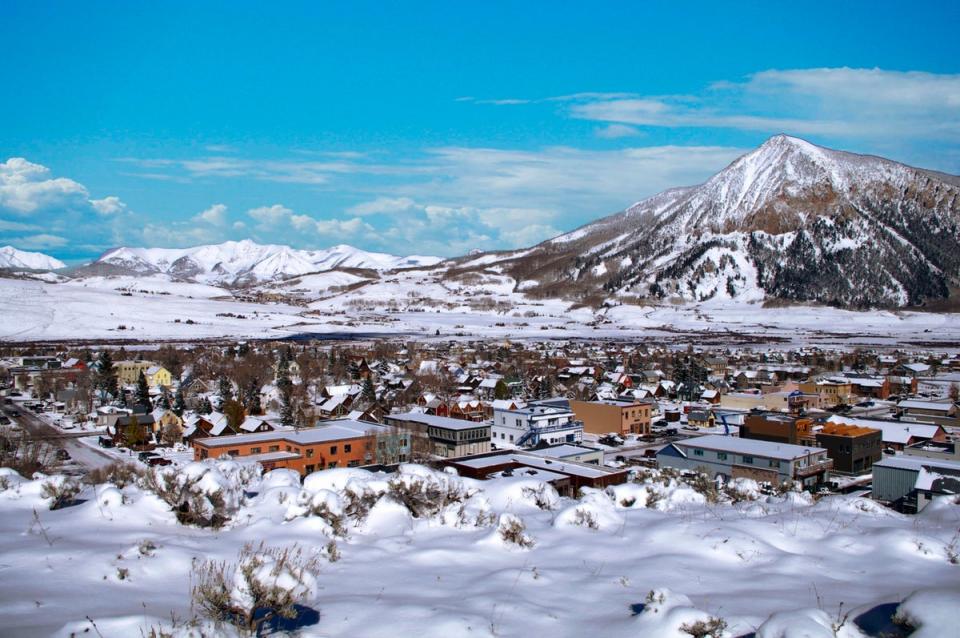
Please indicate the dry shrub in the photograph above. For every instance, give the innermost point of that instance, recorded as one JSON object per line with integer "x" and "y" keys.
{"x": 265, "y": 584}
{"x": 710, "y": 628}
{"x": 119, "y": 473}
{"x": 425, "y": 498}
{"x": 61, "y": 490}
{"x": 512, "y": 530}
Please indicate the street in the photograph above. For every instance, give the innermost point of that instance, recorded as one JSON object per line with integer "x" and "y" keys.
{"x": 85, "y": 456}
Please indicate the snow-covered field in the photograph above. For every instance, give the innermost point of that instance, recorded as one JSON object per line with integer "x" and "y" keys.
{"x": 119, "y": 562}
{"x": 419, "y": 303}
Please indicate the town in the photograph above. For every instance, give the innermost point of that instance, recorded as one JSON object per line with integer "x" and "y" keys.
{"x": 883, "y": 424}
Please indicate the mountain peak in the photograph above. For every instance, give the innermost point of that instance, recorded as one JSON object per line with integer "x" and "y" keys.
{"x": 11, "y": 257}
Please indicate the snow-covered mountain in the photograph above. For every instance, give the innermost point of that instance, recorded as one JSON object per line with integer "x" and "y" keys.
{"x": 238, "y": 262}
{"x": 10, "y": 257}
{"x": 789, "y": 220}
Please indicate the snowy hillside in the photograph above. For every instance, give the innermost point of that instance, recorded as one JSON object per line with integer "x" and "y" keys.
{"x": 789, "y": 220}
{"x": 10, "y": 257}
{"x": 238, "y": 262}
{"x": 427, "y": 553}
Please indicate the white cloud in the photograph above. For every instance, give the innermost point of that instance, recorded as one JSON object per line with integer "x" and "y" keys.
{"x": 528, "y": 235}
{"x": 270, "y": 215}
{"x": 108, "y": 205}
{"x": 616, "y": 131}
{"x": 6, "y": 225}
{"x": 215, "y": 215}
{"x": 41, "y": 241}
{"x": 382, "y": 205}
{"x": 26, "y": 187}
{"x": 840, "y": 102}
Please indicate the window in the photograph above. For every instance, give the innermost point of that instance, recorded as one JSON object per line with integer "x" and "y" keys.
{"x": 273, "y": 448}
{"x": 698, "y": 452}
{"x": 774, "y": 463}
{"x": 233, "y": 452}
{"x": 203, "y": 454}
{"x": 310, "y": 468}
{"x": 331, "y": 465}
{"x": 748, "y": 460}
{"x": 254, "y": 450}
{"x": 511, "y": 438}
{"x": 288, "y": 448}
{"x": 353, "y": 463}
{"x": 347, "y": 448}
{"x": 309, "y": 452}
{"x": 333, "y": 449}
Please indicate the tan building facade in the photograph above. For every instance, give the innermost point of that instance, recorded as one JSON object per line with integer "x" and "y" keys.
{"x": 621, "y": 417}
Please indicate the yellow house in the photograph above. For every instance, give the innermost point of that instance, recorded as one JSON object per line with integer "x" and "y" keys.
{"x": 128, "y": 373}
{"x": 832, "y": 391}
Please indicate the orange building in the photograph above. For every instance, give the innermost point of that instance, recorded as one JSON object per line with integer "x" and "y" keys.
{"x": 340, "y": 443}
{"x": 614, "y": 415}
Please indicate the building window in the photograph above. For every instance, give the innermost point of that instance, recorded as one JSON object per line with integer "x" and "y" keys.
{"x": 721, "y": 456}
{"x": 347, "y": 448}
{"x": 353, "y": 463}
{"x": 333, "y": 449}
{"x": 254, "y": 450}
{"x": 309, "y": 452}
{"x": 748, "y": 460}
{"x": 698, "y": 452}
{"x": 203, "y": 454}
{"x": 233, "y": 452}
{"x": 774, "y": 463}
{"x": 310, "y": 468}
{"x": 273, "y": 448}
{"x": 331, "y": 465}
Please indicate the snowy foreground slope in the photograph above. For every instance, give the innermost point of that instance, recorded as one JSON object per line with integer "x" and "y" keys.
{"x": 640, "y": 559}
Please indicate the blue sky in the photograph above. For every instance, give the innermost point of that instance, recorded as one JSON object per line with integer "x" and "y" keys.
{"x": 433, "y": 128}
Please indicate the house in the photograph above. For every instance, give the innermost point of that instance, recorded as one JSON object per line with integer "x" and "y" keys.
{"x": 133, "y": 429}
{"x": 854, "y": 449}
{"x": 909, "y": 482}
{"x": 566, "y": 476}
{"x": 468, "y": 409}
{"x": 700, "y": 419}
{"x": 533, "y": 423}
{"x": 163, "y": 419}
{"x": 777, "y": 428}
{"x": 711, "y": 396}
{"x": 209, "y": 425}
{"x": 128, "y": 373}
{"x": 733, "y": 457}
{"x": 569, "y": 452}
{"x": 341, "y": 443}
{"x": 897, "y": 435}
{"x": 832, "y": 391}
{"x": 613, "y": 415}
{"x": 448, "y": 437}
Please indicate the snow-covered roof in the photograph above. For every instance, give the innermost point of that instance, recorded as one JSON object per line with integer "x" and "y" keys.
{"x": 751, "y": 447}
{"x": 433, "y": 420}
{"x": 327, "y": 431}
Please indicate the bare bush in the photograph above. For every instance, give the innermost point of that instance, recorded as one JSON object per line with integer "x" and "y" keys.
{"x": 60, "y": 490}
{"x": 710, "y": 628}
{"x": 27, "y": 457}
{"x": 119, "y": 474}
{"x": 425, "y": 498}
{"x": 512, "y": 530}
{"x": 264, "y": 585}
{"x": 585, "y": 518}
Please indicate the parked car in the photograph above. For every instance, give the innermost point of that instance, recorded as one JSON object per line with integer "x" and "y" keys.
{"x": 145, "y": 456}
{"x": 650, "y": 454}
{"x": 866, "y": 404}
{"x": 158, "y": 460}
{"x": 14, "y": 413}
{"x": 105, "y": 441}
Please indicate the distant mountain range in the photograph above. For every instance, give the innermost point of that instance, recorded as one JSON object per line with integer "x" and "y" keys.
{"x": 15, "y": 259}
{"x": 787, "y": 221}
{"x": 240, "y": 262}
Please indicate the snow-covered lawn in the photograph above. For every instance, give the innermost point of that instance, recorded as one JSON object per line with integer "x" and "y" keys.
{"x": 122, "y": 559}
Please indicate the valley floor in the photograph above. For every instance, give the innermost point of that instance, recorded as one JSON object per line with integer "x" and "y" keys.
{"x": 152, "y": 310}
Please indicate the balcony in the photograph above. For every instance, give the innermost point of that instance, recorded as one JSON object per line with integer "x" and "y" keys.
{"x": 813, "y": 468}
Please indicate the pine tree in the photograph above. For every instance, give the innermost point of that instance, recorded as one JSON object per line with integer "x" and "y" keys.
{"x": 179, "y": 402}
{"x": 204, "y": 407}
{"x": 501, "y": 391}
{"x": 287, "y": 411}
{"x": 235, "y": 413}
{"x": 143, "y": 391}
{"x": 165, "y": 399}
{"x": 106, "y": 375}
{"x": 369, "y": 392}
{"x": 251, "y": 398}
{"x": 225, "y": 390}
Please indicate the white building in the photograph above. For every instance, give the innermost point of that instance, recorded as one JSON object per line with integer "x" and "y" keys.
{"x": 529, "y": 425}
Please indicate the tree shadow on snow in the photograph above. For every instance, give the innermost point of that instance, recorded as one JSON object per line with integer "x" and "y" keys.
{"x": 305, "y": 617}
